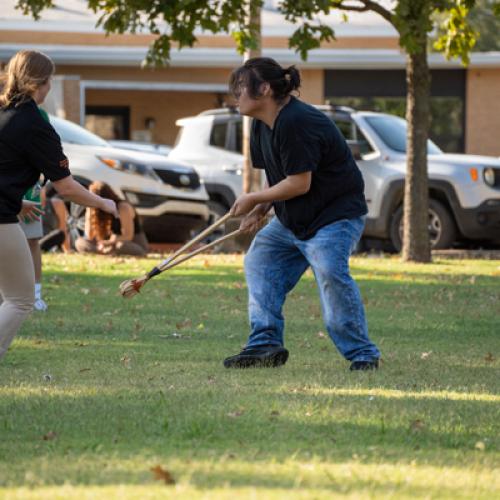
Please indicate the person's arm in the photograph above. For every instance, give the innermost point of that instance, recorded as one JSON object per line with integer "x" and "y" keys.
{"x": 30, "y": 210}
{"x": 89, "y": 230}
{"x": 290, "y": 187}
{"x": 126, "y": 214}
{"x": 71, "y": 190}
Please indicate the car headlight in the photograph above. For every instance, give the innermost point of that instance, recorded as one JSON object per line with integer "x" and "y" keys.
{"x": 489, "y": 176}
{"x": 129, "y": 167}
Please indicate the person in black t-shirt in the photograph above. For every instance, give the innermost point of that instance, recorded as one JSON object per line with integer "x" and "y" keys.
{"x": 29, "y": 146}
{"x": 317, "y": 192}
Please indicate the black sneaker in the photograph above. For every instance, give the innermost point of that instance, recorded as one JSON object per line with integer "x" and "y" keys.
{"x": 258, "y": 357}
{"x": 364, "y": 365}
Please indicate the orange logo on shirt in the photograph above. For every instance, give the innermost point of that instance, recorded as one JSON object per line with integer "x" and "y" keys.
{"x": 64, "y": 163}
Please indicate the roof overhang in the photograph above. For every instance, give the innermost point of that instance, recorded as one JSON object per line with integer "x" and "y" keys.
{"x": 222, "y": 57}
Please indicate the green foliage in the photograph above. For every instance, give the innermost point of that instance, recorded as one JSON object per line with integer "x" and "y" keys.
{"x": 34, "y": 7}
{"x": 483, "y": 20}
{"x": 412, "y": 19}
{"x": 458, "y": 36}
{"x": 309, "y": 37}
{"x": 174, "y": 22}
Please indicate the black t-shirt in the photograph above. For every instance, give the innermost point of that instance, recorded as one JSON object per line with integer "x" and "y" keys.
{"x": 304, "y": 139}
{"x": 28, "y": 146}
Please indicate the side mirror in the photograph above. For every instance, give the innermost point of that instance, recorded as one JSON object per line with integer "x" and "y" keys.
{"x": 355, "y": 147}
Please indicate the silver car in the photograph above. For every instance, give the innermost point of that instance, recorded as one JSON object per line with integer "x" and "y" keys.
{"x": 168, "y": 195}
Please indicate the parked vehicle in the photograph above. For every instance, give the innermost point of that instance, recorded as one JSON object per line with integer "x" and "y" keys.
{"x": 168, "y": 195}
{"x": 464, "y": 190}
{"x": 145, "y": 147}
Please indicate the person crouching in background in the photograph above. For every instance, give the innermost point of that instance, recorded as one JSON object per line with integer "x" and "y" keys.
{"x": 108, "y": 236}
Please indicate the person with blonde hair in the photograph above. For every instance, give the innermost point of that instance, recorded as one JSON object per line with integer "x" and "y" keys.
{"x": 29, "y": 146}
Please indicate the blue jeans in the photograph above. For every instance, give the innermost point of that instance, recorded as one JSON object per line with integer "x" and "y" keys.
{"x": 274, "y": 264}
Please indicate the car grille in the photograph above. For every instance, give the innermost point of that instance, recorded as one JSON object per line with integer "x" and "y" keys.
{"x": 189, "y": 180}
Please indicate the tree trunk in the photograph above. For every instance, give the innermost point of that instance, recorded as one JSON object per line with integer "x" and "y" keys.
{"x": 416, "y": 245}
{"x": 251, "y": 176}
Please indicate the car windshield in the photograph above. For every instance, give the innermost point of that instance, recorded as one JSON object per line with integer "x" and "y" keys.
{"x": 392, "y": 130}
{"x": 74, "y": 134}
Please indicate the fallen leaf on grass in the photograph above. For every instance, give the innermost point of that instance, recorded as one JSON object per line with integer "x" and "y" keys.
{"x": 125, "y": 360}
{"x": 489, "y": 358}
{"x": 425, "y": 355}
{"x": 417, "y": 425}
{"x": 235, "y": 414}
{"x": 84, "y": 370}
{"x": 174, "y": 335}
{"x": 322, "y": 335}
{"x": 85, "y": 291}
{"x": 480, "y": 446}
{"x": 49, "y": 436}
{"x": 183, "y": 324}
{"x": 161, "y": 474}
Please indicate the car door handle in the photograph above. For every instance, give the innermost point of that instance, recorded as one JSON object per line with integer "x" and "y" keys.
{"x": 233, "y": 169}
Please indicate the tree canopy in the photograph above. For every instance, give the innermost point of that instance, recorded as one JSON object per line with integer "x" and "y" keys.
{"x": 175, "y": 22}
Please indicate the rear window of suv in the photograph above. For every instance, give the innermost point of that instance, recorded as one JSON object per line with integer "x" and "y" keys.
{"x": 392, "y": 131}
{"x": 218, "y": 135}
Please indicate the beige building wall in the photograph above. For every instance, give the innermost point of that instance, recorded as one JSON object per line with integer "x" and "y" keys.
{"x": 483, "y": 112}
{"x": 166, "y": 107}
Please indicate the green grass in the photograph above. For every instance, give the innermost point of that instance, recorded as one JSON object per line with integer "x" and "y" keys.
{"x": 118, "y": 387}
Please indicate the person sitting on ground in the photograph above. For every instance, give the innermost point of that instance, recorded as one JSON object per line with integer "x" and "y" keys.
{"x": 108, "y": 236}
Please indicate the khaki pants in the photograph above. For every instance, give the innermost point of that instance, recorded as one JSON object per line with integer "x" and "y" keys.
{"x": 17, "y": 282}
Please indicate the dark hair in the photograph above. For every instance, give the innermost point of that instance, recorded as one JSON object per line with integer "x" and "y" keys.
{"x": 259, "y": 70}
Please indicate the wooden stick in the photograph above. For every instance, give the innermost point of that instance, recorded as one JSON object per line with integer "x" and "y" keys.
{"x": 195, "y": 240}
{"x": 201, "y": 249}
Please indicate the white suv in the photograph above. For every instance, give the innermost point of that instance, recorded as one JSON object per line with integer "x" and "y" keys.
{"x": 464, "y": 189}
{"x": 168, "y": 195}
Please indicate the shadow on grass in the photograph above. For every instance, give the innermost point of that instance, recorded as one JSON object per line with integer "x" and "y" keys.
{"x": 178, "y": 421}
{"x": 128, "y": 391}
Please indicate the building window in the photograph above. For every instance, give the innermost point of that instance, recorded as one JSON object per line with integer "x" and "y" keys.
{"x": 385, "y": 91}
{"x": 108, "y": 122}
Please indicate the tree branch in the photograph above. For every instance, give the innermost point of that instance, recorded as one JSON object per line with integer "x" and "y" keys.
{"x": 352, "y": 8}
{"x": 367, "y": 6}
{"x": 382, "y": 11}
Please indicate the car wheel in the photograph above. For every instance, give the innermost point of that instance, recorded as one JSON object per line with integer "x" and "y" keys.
{"x": 75, "y": 222}
{"x": 442, "y": 228}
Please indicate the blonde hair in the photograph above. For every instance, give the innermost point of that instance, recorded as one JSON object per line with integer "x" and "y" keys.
{"x": 24, "y": 74}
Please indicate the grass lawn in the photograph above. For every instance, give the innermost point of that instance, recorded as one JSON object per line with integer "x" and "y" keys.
{"x": 99, "y": 390}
